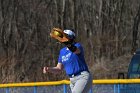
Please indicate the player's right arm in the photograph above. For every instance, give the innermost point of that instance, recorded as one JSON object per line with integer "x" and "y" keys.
{"x": 56, "y": 69}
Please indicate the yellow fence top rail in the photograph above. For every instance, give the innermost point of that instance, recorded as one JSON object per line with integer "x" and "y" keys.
{"x": 31, "y": 84}
{"x": 104, "y": 81}
{"x": 116, "y": 81}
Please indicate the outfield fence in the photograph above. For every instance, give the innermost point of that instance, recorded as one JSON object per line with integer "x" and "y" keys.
{"x": 99, "y": 86}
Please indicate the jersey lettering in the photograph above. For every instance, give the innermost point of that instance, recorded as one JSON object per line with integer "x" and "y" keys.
{"x": 66, "y": 57}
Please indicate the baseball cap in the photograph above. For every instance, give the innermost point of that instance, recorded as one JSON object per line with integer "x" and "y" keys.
{"x": 70, "y": 33}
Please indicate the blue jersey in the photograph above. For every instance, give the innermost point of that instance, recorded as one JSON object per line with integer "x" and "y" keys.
{"x": 73, "y": 63}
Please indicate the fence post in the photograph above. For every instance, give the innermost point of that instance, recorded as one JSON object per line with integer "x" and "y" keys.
{"x": 91, "y": 91}
{"x": 35, "y": 89}
{"x": 65, "y": 88}
{"x": 7, "y": 90}
{"x": 114, "y": 88}
{"x": 118, "y": 88}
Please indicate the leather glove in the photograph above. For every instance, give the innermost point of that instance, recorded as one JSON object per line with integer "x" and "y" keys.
{"x": 59, "y": 35}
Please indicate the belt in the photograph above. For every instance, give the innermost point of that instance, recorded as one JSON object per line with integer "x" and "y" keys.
{"x": 76, "y": 74}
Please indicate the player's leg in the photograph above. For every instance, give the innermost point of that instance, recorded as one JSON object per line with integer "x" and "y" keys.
{"x": 83, "y": 83}
{"x": 88, "y": 85}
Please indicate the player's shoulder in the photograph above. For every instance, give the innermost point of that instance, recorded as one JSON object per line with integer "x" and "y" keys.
{"x": 63, "y": 49}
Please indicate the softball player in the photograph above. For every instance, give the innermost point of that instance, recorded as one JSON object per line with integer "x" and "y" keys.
{"x": 71, "y": 59}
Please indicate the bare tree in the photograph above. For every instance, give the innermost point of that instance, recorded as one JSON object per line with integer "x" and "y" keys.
{"x": 106, "y": 29}
{"x": 135, "y": 31}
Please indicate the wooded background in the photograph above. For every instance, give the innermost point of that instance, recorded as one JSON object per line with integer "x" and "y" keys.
{"x": 108, "y": 30}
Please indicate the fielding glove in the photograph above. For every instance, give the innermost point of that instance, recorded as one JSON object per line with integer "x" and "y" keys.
{"x": 59, "y": 35}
